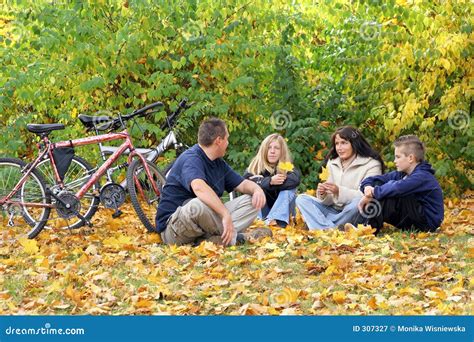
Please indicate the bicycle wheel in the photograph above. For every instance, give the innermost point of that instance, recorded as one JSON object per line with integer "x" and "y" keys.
{"x": 33, "y": 191}
{"x": 143, "y": 196}
{"x": 168, "y": 167}
{"x": 77, "y": 175}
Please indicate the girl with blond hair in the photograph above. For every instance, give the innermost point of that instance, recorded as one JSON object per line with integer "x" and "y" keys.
{"x": 273, "y": 170}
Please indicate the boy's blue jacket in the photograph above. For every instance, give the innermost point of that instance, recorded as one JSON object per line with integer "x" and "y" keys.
{"x": 421, "y": 184}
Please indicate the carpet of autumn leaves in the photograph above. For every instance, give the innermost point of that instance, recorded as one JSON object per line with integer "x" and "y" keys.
{"x": 117, "y": 268}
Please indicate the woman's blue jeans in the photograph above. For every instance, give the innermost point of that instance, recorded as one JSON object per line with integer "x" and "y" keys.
{"x": 320, "y": 216}
{"x": 281, "y": 209}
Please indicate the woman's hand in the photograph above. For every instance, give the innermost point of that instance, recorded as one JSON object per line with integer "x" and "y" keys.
{"x": 278, "y": 179}
{"x": 321, "y": 189}
{"x": 332, "y": 188}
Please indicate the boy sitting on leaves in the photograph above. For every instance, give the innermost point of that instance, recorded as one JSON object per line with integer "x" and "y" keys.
{"x": 409, "y": 198}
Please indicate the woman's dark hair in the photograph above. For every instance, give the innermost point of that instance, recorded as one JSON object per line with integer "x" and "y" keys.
{"x": 360, "y": 146}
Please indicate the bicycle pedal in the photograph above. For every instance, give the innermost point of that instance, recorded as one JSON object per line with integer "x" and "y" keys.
{"x": 117, "y": 213}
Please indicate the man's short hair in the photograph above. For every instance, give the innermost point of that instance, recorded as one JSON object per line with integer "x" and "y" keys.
{"x": 411, "y": 144}
{"x": 209, "y": 130}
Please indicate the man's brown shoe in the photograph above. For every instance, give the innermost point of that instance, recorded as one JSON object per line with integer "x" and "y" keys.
{"x": 254, "y": 235}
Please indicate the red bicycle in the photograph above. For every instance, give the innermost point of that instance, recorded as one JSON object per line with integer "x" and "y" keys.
{"x": 76, "y": 195}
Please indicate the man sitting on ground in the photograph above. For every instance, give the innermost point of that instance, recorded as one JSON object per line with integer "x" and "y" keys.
{"x": 191, "y": 210}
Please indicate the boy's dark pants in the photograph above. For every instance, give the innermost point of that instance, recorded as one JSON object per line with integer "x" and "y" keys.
{"x": 405, "y": 213}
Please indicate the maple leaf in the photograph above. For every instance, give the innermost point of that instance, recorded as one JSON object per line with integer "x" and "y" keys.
{"x": 372, "y": 303}
{"x": 118, "y": 242}
{"x": 324, "y": 175}
{"x": 29, "y": 246}
{"x": 285, "y": 167}
{"x": 73, "y": 294}
{"x": 339, "y": 297}
{"x": 144, "y": 303}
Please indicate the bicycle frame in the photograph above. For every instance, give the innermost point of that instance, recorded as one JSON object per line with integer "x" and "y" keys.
{"x": 127, "y": 145}
{"x": 152, "y": 154}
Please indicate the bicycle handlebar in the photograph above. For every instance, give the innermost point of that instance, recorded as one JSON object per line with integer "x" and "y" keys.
{"x": 142, "y": 110}
{"x": 119, "y": 121}
{"x": 170, "y": 120}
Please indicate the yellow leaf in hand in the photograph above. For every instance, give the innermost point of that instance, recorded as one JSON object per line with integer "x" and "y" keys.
{"x": 324, "y": 175}
{"x": 286, "y": 166}
{"x": 30, "y": 246}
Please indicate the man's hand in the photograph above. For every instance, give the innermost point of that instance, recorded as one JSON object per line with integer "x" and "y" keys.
{"x": 362, "y": 203}
{"x": 228, "y": 232}
{"x": 250, "y": 188}
{"x": 278, "y": 179}
{"x": 332, "y": 188}
{"x": 210, "y": 198}
{"x": 258, "y": 198}
{"x": 369, "y": 191}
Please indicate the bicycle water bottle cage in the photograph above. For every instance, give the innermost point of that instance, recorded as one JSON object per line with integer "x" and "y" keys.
{"x": 44, "y": 129}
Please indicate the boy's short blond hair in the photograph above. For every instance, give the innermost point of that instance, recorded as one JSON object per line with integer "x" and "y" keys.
{"x": 411, "y": 144}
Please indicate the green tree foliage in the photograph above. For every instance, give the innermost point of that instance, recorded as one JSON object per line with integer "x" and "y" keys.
{"x": 299, "y": 67}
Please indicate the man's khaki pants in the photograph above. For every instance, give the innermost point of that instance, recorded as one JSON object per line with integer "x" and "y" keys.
{"x": 195, "y": 221}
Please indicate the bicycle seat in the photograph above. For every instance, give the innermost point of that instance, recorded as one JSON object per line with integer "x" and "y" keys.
{"x": 44, "y": 128}
{"x": 90, "y": 121}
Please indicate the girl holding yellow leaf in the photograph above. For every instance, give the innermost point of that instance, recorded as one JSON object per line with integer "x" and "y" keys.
{"x": 350, "y": 160}
{"x": 273, "y": 170}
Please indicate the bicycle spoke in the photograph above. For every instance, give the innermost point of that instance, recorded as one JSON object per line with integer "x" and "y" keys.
{"x": 142, "y": 191}
{"x": 27, "y": 209}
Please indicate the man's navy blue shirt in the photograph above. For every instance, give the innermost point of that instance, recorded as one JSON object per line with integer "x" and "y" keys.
{"x": 193, "y": 164}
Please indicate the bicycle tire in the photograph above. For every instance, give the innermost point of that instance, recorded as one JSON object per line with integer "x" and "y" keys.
{"x": 167, "y": 169}
{"x": 141, "y": 192}
{"x": 165, "y": 173}
{"x": 74, "y": 179}
{"x": 8, "y": 181}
